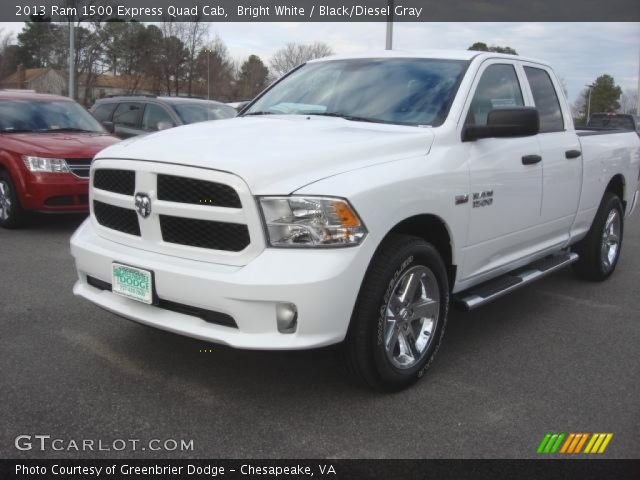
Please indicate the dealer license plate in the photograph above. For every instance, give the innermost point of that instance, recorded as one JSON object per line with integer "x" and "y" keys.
{"x": 132, "y": 282}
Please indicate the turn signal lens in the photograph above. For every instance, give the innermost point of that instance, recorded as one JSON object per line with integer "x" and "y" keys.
{"x": 311, "y": 222}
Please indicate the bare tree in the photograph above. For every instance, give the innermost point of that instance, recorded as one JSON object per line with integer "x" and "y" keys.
{"x": 629, "y": 101}
{"x": 193, "y": 35}
{"x": 294, "y": 54}
{"x": 579, "y": 107}
{"x": 6, "y": 40}
{"x": 174, "y": 56}
{"x": 215, "y": 70}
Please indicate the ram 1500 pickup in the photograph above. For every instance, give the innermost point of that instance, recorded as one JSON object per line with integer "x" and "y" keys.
{"x": 353, "y": 201}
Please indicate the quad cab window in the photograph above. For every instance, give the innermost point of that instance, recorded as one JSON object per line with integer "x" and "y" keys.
{"x": 546, "y": 100}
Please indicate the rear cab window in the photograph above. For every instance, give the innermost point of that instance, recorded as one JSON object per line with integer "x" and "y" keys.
{"x": 546, "y": 100}
{"x": 612, "y": 121}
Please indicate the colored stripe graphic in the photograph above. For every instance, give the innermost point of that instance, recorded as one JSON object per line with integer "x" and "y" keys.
{"x": 543, "y": 443}
{"x": 598, "y": 443}
{"x": 550, "y": 443}
{"x": 556, "y": 445}
{"x": 581, "y": 442}
{"x": 573, "y": 443}
{"x": 567, "y": 443}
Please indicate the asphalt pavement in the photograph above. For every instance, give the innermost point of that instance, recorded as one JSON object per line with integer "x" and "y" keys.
{"x": 561, "y": 355}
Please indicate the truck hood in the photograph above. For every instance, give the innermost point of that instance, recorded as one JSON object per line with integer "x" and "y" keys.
{"x": 57, "y": 145}
{"x": 278, "y": 154}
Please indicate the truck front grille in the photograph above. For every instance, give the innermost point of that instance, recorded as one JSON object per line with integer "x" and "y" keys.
{"x": 188, "y": 212}
{"x": 116, "y": 181}
{"x": 116, "y": 218}
{"x": 231, "y": 237}
{"x": 198, "y": 192}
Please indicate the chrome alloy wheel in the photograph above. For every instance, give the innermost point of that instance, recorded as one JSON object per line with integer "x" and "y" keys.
{"x": 610, "y": 246}
{"x": 411, "y": 316}
{"x": 5, "y": 200}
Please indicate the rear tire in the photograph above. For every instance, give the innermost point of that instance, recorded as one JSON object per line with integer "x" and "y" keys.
{"x": 400, "y": 315}
{"x": 599, "y": 251}
{"x": 11, "y": 213}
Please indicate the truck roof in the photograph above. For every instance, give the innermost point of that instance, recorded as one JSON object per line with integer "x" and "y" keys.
{"x": 433, "y": 53}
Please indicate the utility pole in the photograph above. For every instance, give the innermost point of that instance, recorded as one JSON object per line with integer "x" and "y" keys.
{"x": 72, "y": 57}
{"x": 208, "y": 52}
{"x": 389, "y": 42}
{"x": 590, "y": 87}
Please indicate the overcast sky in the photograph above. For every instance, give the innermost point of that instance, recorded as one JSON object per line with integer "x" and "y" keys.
{"x": 579, "y": 51}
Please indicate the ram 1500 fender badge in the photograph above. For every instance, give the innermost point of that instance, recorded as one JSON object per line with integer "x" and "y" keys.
{"x": 482, "y": 199}
{"x": 143, "y": 204}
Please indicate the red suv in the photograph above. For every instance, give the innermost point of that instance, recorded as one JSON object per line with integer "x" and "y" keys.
{"x": 46, "y": 147}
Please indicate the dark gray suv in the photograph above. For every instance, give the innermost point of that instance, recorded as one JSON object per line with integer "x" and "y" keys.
{"x": 128, "y": 116}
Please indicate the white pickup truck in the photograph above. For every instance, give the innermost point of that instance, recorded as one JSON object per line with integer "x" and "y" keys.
{"x": 353, "y": 201}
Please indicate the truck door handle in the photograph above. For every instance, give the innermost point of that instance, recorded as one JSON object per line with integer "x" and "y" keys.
{"x": 572, "y": 154}
{"x": 531, "y": 159}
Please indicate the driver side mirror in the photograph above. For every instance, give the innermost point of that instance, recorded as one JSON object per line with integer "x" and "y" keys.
{"x": 505, "y": 122}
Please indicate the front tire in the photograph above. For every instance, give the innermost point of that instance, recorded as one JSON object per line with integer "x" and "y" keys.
{"x": 400, "y": 316}
{"x": 11, "y": 213}
{"x": 599, "y": 251}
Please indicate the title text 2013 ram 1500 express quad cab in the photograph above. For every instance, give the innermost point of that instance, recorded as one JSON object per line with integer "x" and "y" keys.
{"x": 351, "y": 201}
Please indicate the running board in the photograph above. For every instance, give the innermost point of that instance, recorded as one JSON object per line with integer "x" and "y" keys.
{"x": 489, "y": 291}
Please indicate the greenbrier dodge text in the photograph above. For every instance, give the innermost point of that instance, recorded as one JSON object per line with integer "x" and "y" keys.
{"x": 175, "y": 470}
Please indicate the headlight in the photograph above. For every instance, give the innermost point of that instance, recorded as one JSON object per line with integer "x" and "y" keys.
{"x": 41, "y": 164}
{"x": 311, "y": 222}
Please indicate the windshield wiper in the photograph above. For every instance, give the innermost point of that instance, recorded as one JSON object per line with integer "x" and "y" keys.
{"x": 16, "y": 130}
{"x": 346, "y": 116}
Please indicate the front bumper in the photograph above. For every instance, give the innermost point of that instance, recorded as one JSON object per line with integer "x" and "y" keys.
{"x": 56, "y": 192}
{"x": 323, "y": 284}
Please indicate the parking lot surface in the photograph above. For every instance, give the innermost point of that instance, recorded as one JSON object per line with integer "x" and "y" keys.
{"x": 561, "y": 355}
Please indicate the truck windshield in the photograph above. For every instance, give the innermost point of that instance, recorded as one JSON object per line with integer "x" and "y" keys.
{"x": 614, "y": 122}
{"x": 406, "y": 91}
{"x": 23, "y": 115}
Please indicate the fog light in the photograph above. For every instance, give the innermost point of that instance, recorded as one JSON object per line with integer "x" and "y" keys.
{"x": 287, "y": 316}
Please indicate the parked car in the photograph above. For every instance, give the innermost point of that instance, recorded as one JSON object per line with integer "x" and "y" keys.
{"x": 47, "y": 144}
{"x": 239, "y": 105}
{"x": 130, "y": 116}
{"x": 352, "y": 201}
{"x": 613, "y": 121}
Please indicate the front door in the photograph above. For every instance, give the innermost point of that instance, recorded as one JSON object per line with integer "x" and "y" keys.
{"x": 505, "y": 178}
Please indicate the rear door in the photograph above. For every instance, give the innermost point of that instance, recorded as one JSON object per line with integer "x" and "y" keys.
{"x": 505, "y": 191}
{"x": 127, "y": 118}
{"x": 561, "y": 155}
